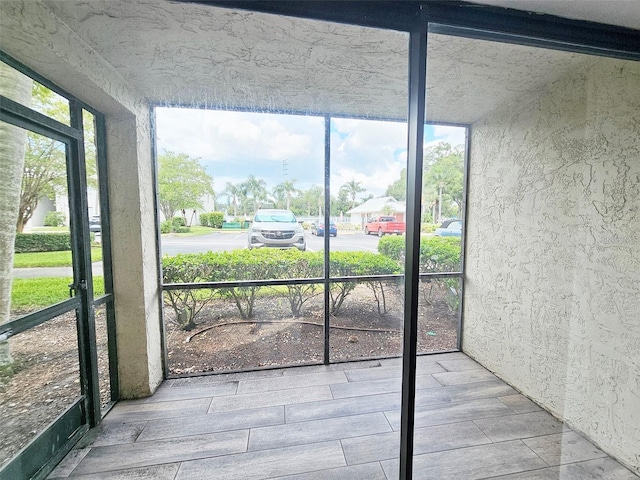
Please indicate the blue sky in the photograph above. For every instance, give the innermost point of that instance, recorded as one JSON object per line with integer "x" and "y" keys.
{"x": 275, "y": 147}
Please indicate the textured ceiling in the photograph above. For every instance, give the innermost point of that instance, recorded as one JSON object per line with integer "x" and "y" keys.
{"x": 196, "y": 54}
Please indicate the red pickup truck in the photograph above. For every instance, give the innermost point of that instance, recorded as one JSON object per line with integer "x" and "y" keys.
{"x": 385, "y": 225}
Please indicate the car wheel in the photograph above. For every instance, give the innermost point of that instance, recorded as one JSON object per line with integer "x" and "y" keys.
{"x": 380, "y": 232}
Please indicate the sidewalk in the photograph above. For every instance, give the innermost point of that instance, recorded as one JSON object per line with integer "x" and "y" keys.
{"x": 53, "y": 271}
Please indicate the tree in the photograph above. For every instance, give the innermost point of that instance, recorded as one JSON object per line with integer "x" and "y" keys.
{"x": 352, "y": 188}
{"x": 45, "y": 169}
{"x": 398, "y": 189}
{"x": 341, "y": 203}
{"x": 12, "y": 149}
{"x": 182, "y": 183}
{"x": 444, "y": 171}
{"x": 45, "y": 175}
{"x": 285, "y": 191}
{"x": 313, "y": 200}
{"x": 235, "y": 196}
{"x": 256, "y": 192}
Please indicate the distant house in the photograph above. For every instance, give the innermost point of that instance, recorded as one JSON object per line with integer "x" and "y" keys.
{"x": 375, "y": 207}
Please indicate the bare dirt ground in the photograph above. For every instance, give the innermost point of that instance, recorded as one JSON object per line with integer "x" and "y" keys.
{"x": 222, "y": 340}
{"x": 45, "y": 378}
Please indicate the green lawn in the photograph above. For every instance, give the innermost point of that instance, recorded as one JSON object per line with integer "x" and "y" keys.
{"x": 50, "y": 259}
{"x": 34, "y": 293}
{"x": 48, "y": 229}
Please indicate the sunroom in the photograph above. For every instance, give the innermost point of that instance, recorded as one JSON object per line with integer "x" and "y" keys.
{"x": 524, "y": 127}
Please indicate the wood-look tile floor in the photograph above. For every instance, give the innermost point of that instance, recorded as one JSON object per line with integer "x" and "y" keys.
{"x": 336, "y": 422}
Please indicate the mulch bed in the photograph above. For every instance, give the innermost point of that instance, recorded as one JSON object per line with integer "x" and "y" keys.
{"x": 224, "y": 341}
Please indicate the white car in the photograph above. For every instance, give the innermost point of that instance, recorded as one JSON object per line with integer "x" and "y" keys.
{"x": 276, "y": 229}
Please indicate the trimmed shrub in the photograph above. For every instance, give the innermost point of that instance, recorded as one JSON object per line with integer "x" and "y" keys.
{"x": 440, "y": 254}
{"x": 166, "y": 227}
{"x": 178, "y": 222}
{"x": 346, "y": 264}
{"x": 42, "y": 242}
{"x": 267, "y": 264}
{"x": 393, "y": 247}
{"x": 212, "y": 219}
{"x": 437, "y": 254}
{"x": 216, "y": 219}
{"x": 187, "y": 304}
{"x": 54, "y": 219}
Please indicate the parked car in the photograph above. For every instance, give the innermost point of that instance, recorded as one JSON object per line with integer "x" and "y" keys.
{"x": 318, "y": 229}
{"x": 449, "y": 228}
{"x": 276, "y": 229}
{"x": 384, "y": 225}
{"x": 94, "y": 224}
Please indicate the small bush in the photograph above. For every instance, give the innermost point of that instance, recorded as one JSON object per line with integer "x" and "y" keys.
{"x": 42, "y": 242}
{"x": 437, "y": 254}
{"x": 178, "y": 222}
{"x": 212, "y": 219}
{"x": 393, "y": 247}
{"x": 54, "y": 219}
{"x": 216, "y": 219}
{"x": 166, "y": 227}
{"x": 182, "y": 230}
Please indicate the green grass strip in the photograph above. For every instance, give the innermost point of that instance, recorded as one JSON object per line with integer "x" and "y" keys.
{"x": 33, "y": 293}
{"x": 50, "y": 259}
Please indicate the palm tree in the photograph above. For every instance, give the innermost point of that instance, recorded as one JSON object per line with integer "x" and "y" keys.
{"x": 234, "y": 193}
{"x": 257, "y": 190}
{"x": 353, "y": 188}
{"x": 286, "y": 190}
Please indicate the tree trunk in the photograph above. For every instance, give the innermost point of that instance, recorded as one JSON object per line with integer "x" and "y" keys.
{"x": 12, "y": 146}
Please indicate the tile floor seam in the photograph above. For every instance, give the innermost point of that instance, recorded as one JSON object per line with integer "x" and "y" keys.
{"x": 536, "y": 453}
{"x": 524, "y": 413}
{"x": 440, "y": 450}
{"x": 74, "y": 468}
{"x": 84, "y": 475}
{"x": 175, "y": 475}
{"x": 133, "y": 402}
{"x": 383, "y": 472}
{"x": 146, "y": 424}
{"x": 514, "y": 473}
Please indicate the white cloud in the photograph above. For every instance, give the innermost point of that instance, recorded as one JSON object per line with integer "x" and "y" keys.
{"x": 451, "y": 135}
{"x": 234, "y": 145}
{"x": 370, "y": 152}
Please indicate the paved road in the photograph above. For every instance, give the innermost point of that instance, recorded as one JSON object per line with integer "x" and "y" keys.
{"x": 218, "y": 241}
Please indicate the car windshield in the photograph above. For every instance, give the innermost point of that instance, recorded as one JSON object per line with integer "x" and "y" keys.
{"x": 282, "y": 217}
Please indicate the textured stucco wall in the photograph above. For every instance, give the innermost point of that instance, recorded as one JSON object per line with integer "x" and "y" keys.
{"x": 553, "y": 266}
{"x": 34, "y": 35}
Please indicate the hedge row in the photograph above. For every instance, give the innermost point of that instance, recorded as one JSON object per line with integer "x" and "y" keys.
{"x": 213, "y": 219}
{"x": 437, "y": 254}
{"x": 42, "y": 242}
{"x": 268, "y": 264}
